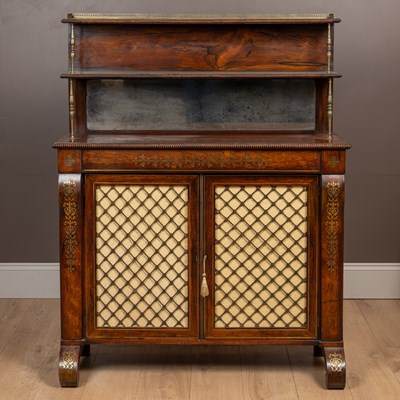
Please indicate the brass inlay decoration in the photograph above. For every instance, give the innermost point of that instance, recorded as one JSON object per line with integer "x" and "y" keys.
{"x": 70, "y": 224}
{"x": 333, "y": 161}
{"x": 71, "y": 110}
{"x": 68, "y": 360}
{"x": 336, "y": 362}
{"x": 69, "y": 160}
{"x": 208, "y": 160}
{"x": 330, "y": 107}
{"x": 185, "y": 17}
{"x": 329, "y": 55}
{"x": 72, "y": 48}
{"x": 142, "y": 256}
{"x": 332, "y": 225}
{"x": 261, "y": 245}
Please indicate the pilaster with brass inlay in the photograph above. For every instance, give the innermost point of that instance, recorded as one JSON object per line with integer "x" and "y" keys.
{"x": 332, "y": 210}
{"x": 71, "y": 224}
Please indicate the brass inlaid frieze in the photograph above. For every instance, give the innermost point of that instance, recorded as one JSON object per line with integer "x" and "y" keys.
{"x": 332, "y": 225}
{"x": 208, "y": 161}
{"x": 336, "y": 362}
{"x": 70, "y": 224}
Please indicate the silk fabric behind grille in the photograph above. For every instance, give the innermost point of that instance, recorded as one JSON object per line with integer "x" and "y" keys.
{"x": 260, "y": 257}
{"x": 141, "y": 256}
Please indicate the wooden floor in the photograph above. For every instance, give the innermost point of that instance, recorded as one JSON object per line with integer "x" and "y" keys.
{"x": 29, "y": 342}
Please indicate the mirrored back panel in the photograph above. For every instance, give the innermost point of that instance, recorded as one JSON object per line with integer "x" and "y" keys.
{"x": 206, "y": 104}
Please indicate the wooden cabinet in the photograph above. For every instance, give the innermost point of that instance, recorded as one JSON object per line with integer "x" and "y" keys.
{"x": 201, "y": 188}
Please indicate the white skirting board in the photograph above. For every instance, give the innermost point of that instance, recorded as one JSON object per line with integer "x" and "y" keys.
{"x": 38, "y": 280}
{"x": 29, "y": 280}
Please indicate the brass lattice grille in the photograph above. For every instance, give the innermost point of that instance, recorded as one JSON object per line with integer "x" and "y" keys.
{"x": 260, "y": 256}
{"x": 141, "y": 256}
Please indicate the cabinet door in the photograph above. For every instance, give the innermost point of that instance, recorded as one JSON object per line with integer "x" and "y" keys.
{"x": 141, "y": 278}
{"x": 261, "y": 242}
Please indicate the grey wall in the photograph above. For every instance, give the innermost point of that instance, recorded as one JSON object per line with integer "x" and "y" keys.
{"x": 33, "y": 113}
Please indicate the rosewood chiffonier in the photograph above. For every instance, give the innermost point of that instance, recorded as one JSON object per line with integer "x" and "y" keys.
{"x": 201, "y": 185}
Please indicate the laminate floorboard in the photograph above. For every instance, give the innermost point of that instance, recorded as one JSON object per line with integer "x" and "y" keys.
{"x": 12, "y": 312}
{"x": 124, "y": 364}
{"x": 166, "y": 373}
{"x": 27, "y": 350}
{"x": 383, "y": 318}
{"x": 216, "y": 373}
{"x": 267, "y": 374}
{"x": 29, "y": 346}
{"x": 369, "y": 375}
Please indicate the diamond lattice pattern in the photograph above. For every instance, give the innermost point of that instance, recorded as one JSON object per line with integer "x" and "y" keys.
{"x": 141, "y": 256}
{"x": 260, "y": 256}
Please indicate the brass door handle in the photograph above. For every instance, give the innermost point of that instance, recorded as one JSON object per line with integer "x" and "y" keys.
{"x": 204, "y": 292}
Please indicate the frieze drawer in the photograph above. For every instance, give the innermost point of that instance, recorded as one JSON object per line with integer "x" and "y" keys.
{"x": 195, "y": 160}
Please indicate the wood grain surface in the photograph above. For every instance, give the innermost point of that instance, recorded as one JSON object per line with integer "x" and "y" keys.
{"x": 211, "y": 47}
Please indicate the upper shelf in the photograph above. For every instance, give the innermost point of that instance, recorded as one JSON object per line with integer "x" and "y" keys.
{"x": 247, "y": 48}
{"x": 132, "y": 74}
{"x": 108, "y": 18}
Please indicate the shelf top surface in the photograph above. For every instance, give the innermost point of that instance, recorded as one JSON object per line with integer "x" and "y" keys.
{"x": 234, "y": 141}
{"x": 126, "y": 73}
{"x": 109, "y": 18}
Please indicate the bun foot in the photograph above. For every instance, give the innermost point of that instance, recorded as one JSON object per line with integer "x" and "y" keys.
{"x": 335, "y": 367}
{"x": 68, "y": 366}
